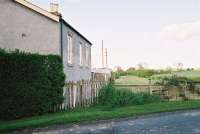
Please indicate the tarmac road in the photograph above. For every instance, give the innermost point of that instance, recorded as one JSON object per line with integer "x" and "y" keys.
{"x": 169, "y": 123}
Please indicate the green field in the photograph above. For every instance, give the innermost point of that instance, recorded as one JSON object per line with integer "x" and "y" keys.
{"x": 131, "y": 80}
{"x": 194, "y": 75}
{"x": 134, "y": 80}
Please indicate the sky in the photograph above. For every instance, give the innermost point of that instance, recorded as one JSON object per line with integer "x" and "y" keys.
{"x": 158, "y": 32}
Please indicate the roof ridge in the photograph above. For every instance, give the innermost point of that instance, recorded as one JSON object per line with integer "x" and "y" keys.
{"x": 38, "y": 9}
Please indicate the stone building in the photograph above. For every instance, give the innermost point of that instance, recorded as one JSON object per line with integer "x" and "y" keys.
{"x": 29, "y": 28}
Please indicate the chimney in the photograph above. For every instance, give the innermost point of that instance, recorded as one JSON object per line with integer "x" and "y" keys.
{"x": 54, "y": 7}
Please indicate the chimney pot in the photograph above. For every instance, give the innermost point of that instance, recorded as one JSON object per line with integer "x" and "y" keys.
{"x": 54, "y": 7}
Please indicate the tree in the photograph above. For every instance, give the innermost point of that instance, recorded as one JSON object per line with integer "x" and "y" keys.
{"x": 142, "y": 65}
{"x": 118, "y": 69}
{"x": 131, "y": 69}
{"x": 179, "y": 66}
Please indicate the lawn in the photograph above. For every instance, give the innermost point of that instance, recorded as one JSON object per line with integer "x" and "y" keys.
{"x": 131, "y": 80}
{"x": 96, "y": 113}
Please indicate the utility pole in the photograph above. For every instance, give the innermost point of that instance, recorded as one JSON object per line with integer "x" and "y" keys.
{"x": 102, "y": 55}
{"x": 106, "y": 54}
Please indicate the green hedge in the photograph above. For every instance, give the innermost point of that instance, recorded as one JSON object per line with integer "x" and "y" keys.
{"x": 30, "y": 84}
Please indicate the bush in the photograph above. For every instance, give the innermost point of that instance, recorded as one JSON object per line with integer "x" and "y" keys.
{"x": 30, "y": 84}
{"x": 112, "y": 97}
{"x": 142, "y": 73}
{"x": 175, "y": 81}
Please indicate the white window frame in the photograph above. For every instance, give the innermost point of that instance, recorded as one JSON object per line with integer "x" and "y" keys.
{"x": 87, "y": 55}
{"x": 81, "y": 54}
{"x": 69, "y": 49}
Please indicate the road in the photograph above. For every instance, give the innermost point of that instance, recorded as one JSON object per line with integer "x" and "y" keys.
{"x": 170, "y": 123}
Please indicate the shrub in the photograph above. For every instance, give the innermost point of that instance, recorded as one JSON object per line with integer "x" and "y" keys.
{"x": 142, "y": 73}
{"x": 176, "y": 81}
{"x": 30, "y": 84}
{"x": 110, "y": 96}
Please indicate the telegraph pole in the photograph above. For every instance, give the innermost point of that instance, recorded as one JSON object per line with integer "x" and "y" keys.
{"x": 102, "y": 55}
{"x": 106, "y": 54}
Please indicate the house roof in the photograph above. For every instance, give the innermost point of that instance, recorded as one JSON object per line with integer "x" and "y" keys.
{"x": 49, "y": 15}
{"x": 38, "y": 9}
{"x": 67, "y": 24}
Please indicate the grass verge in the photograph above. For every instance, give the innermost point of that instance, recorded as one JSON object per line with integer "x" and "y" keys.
{"x": 96, "y": 113}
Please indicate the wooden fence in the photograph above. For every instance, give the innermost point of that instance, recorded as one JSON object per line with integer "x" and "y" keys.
{"x": 81, "y": 93}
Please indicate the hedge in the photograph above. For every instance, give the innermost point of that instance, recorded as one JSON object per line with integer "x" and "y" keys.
{"x": 30, "y": 84}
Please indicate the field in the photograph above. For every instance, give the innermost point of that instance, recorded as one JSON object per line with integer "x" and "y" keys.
{"x": 131, "y": 80}
{"x": 194, "y": 75}
{"x": 135, "y": 80}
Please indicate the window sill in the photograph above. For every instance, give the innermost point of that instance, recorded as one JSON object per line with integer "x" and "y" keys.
{"x": 70, "y": 65}
{"x": 87, "y": 67}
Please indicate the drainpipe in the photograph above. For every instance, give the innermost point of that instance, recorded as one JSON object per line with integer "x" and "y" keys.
{"x": 61, "y": 37}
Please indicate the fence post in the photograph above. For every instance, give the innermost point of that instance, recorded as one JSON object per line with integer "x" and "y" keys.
{"x": 83, "y": 82}
{"x": 77, "y": 93}
{"x": 74, "y": 94}
{"x": 65, "y": 99}
{"x": 70, "y": 96}
{"x": 81, "y": 92}
{"x": 92, "y": 89}
{"x": 95, "y": 90}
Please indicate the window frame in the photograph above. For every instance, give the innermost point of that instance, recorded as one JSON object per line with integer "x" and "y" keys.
{"x": 81, "y": 59}
{"x": 69, "y": 49}
{"x": 87, "y": 55}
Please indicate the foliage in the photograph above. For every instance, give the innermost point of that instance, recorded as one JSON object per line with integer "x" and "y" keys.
{"x": 30, "y": 84}
{"x": 132, "y": 80}
{"x": 146, "y": 73}
{"x": 142, "y": 73}
{"x": 110, "y": 96}
{"x": 118, "y": 73}
{"x": 175, "y": 80}
{"x": 193, "y": 75}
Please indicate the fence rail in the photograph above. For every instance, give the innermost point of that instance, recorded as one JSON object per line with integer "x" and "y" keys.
{"x": 81, "y": 93}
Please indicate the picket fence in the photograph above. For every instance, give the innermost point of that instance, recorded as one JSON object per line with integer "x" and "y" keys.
{"x": 81, "y": 93}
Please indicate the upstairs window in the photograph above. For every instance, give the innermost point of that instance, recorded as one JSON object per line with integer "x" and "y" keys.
{"x": 87, "y": 55}
{"x": 81, "y": 53}
{"x": 69, "y": 49}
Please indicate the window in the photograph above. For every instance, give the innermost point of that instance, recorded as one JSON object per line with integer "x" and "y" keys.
{"x": 81, "y": 53}
{"x": 87, "y": 55}
{"x": 69, "y": 49}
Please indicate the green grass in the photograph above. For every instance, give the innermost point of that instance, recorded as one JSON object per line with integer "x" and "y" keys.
{"x": 134, "y": 80}
{"x": 131, "y": 80}
{"x": 195, "y": 74}
{"x": 96, "y": 113}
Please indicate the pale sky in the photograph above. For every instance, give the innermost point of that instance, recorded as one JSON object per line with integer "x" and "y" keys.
{"x": 159, "y": 32}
